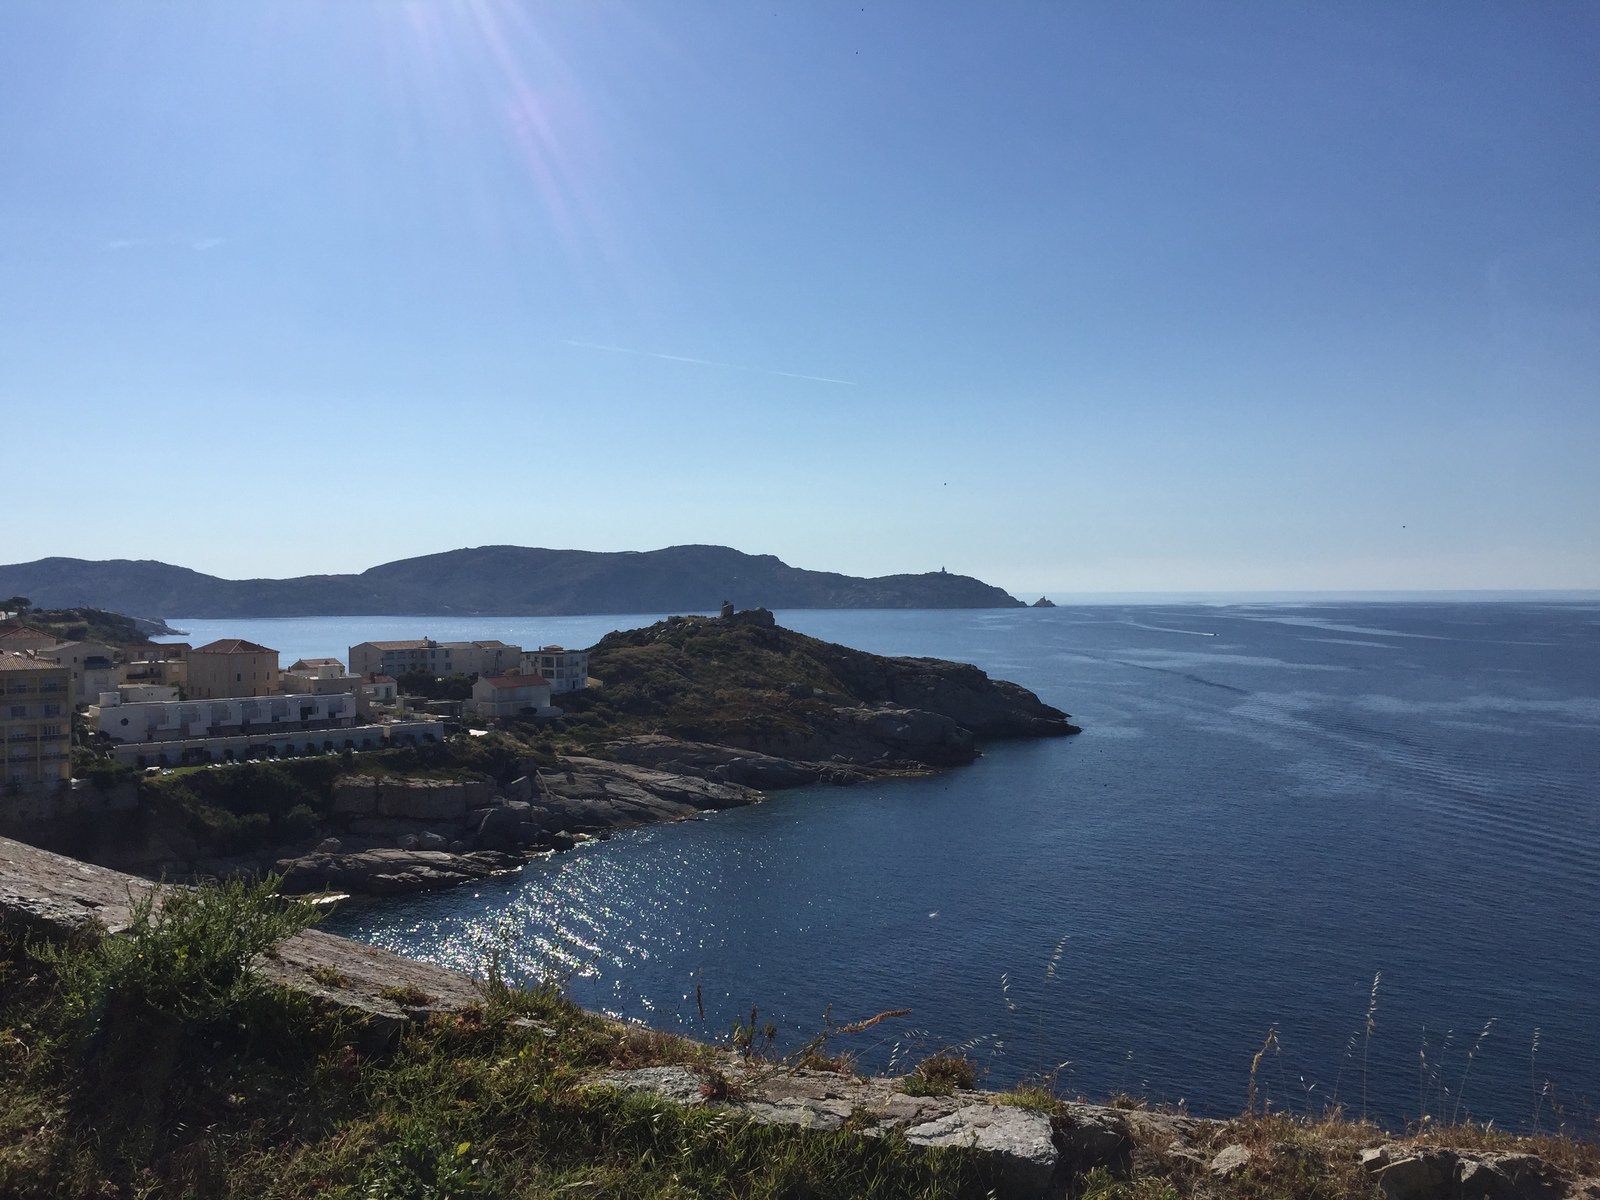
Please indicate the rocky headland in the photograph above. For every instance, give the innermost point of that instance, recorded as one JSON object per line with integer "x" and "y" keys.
{"x": 694, "y": 714}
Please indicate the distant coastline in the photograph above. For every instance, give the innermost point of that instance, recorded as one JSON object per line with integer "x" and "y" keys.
{"x": 493, "y": 581}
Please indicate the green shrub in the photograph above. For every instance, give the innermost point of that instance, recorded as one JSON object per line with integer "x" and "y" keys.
{"x": 104, "y": 773}
{"x": 186, "y": 953}
{"x": 299, "y": 822}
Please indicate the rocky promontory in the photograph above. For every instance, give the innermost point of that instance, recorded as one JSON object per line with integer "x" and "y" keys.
{"x": 692, "y": 714}
{"x": 695, "y": 714}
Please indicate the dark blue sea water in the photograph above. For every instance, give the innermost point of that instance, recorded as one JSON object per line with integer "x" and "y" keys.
{"x": 1269, "y": 808}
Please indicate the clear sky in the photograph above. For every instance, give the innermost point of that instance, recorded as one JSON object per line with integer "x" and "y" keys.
{"x": 1108, "y": 296}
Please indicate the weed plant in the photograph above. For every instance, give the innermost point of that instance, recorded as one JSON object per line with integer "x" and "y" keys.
{"x": 940, "y": 1074}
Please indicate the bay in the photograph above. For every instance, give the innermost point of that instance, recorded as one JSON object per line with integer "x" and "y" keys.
{"x": 1270, "y": 806}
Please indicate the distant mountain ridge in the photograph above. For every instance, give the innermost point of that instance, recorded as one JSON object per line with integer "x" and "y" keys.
{"x": 492, "y": 581}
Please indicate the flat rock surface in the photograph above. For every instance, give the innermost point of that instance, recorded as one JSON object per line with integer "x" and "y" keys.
{"x": 1035, "y": 1151}
{"x": 55, "y": 894}
{"x": 589, "y": 794}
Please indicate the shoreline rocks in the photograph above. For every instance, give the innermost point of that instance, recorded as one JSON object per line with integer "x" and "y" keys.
{"x": 421, "y": 834}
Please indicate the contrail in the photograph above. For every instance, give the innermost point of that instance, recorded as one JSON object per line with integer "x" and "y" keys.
{"x": 706, "y": 362}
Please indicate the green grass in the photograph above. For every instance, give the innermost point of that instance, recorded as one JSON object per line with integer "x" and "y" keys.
{"x": 157, "y": 1063}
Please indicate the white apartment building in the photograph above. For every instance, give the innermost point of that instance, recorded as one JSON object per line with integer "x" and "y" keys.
{"x": 567, "y": 670}
{"x": 178, "y": 720}
{"x": 429, "y": 657}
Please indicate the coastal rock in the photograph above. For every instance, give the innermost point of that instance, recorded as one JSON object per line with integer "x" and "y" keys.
{"x": 706, "y": 761}
{"x": 678, "y": 1084}
{"x": 389, "y": 872}
{"x": 59, "y": 896}
{"x": 1431, "y": 1173}
{"x": 1411, "y": 1174}
{"x": 1093, "y": 1135}
{"x": 422, "y": 799}
{"x": 587, "y": 795}
{"x": 1022, "y": 1141}
{"x": 1509, "y": 1177}
{"x": 1036, "y": 1154}
{"x": 507, "y": 827}
{"x": 1230, "y": 1160}
{"x": 355, "y": 796}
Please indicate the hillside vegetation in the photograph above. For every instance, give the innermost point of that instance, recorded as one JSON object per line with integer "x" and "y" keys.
{"x": 748, "y": 682}
{"x": 89, "y": 625}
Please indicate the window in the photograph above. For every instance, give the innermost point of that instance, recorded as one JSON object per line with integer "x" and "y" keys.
{"x": 18, "y": 711}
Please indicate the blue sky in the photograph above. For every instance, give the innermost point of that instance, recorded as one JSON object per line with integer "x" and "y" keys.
{"x": 1072, "y": 297}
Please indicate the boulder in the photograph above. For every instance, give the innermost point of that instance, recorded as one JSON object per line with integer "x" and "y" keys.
{"x": 1510, "y": 1177}
{"x": 1093, "y": 1136}
{"x": 1478, "y": 1180}
{"x": 505, "y": 828}
{"x": 1407, "y": 1173}
{"x": 1230, "y": 1160}
{"x": 1021, "y": 1141}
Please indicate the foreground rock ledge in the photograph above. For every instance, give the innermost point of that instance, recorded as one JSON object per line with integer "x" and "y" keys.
{"x": 1037, "y": 1153}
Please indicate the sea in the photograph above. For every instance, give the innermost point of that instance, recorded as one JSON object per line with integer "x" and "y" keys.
{"x": 1331, "y": 854}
